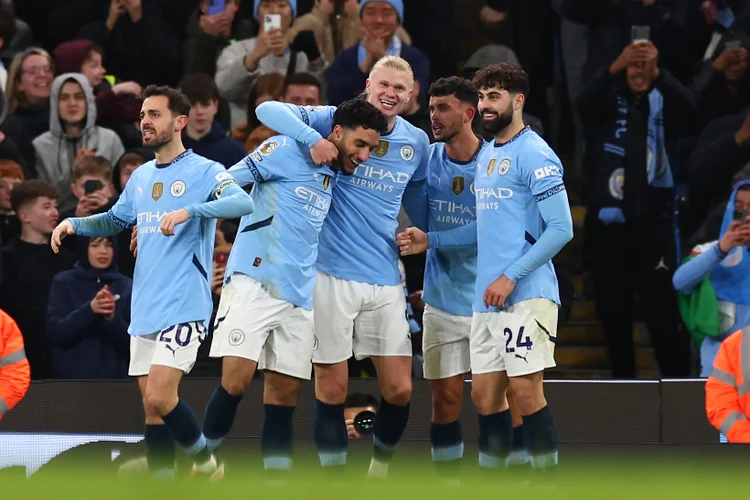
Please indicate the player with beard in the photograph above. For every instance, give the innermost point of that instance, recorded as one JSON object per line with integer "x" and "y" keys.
{"x": 359, "y": 303}
{"x": 175, "y": 200}
{"x": 523, "y": 221}
{"x": 265, "y": 316}
{"x": 450, "y": 273}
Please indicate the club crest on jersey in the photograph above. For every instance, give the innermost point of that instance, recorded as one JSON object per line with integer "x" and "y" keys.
{"x": 407, "y": 153}
{"x": 326, "y": 182}
{"x": 157, "y": 190}
{"x": 504, "y": 167}
{"x": 458, "y": 185}
{"x": 382, "y": 149}
{"x": 177, "y": 189}
{"x": 268, "y": 148}
{"x": 491, "y": 166}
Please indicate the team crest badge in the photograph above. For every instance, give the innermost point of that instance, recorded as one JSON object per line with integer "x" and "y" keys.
{"x": 326, "y": 182}
{"x": 407, "y": 153}
{"x": 617, "y": 184}
{"x": 268, "y": 148}
{"x": 236, "y": 337}
{"x": 382, "y": 148}
{"x": 491, "y": 166}
{"x": 177, "y": 189}
{"x": 157, "y": 190}
{"x": 458, "y": 185}
{"x": 504, "y": 167}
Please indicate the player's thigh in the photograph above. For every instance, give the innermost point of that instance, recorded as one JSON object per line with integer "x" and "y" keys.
{"x": 527, "y": 333}
{"x": 162, "y": 389}
{"x": 289, "y": 348}
{"x": 336, "y": 303}
{"x": 246, "y": 316}
{"x": 382, "y": 328}
{"x": 445, "y": 344}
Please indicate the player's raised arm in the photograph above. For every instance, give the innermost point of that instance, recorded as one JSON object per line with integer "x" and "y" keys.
{"x": 306, "y": 124}
{"x": 544, "y": 177}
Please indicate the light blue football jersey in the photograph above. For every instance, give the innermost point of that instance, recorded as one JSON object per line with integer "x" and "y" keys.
{"x": 510, "y": 180}
{"x": 450, "y": 273}
{"x": 358, "y": 240}
{"x": 277, "y": 244}
{"x": 171, "y": 284}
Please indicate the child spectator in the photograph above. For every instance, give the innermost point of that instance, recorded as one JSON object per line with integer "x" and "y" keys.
{"x": 203, "y": 134}
{"x": 29, "y": 265}
{"x": 88, "y": 315}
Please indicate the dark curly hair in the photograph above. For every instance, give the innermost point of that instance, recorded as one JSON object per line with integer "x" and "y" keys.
{"x": 178, "y": 102}
{"x": 463, "y": 89}
{"x": 510, "y": 77}
{"x": 360, "y": 113}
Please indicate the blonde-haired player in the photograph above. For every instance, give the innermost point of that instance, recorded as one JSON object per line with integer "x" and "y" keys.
{"x": 359, "y": 304}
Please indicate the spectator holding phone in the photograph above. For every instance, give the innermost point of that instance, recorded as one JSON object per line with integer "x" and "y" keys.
{"x": 722, "y": 85}
{"x": 73, "y": 134}
{"x": 92, "y": 186}
{"x": 714, "y": 282}
{"x": 88, "y": 315}
{"x": 242, "y": 63}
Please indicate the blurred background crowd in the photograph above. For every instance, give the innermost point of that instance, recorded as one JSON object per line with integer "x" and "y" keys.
{"x": 646, "y": 101}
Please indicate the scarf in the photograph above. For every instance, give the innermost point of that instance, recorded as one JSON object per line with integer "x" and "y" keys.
{"x": 613, "y": 157}
{"x": 731, "y": 278}
{"x": 393, "y": 50}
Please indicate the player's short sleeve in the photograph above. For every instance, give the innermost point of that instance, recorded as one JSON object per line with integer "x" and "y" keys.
{"x": 124, "y": 212}
{"x": 267, "y": 163}
{"x": 543, "y": 173}
{"x": 319, "y": 118}
{"x": 217, "y": 180}
{"x": 422, "y": 143}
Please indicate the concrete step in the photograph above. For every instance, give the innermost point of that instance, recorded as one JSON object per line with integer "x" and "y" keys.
{"x": 591, "y": 333}
{"x": 597, "y": 358}
{"x": 583, "y": 310}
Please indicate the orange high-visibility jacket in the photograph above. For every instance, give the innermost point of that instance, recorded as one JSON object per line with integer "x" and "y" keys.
{"x": 728, "y": 388}
{"x": 15, "y": 373}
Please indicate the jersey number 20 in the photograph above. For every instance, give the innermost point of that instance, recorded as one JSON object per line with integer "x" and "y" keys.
{"x": 521, "y": 341}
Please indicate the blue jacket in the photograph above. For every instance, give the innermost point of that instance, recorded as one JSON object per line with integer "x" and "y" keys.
{"x": 216, "y": 146}
{"x": 83, "y": 345}
{"x": 346, "y": 80}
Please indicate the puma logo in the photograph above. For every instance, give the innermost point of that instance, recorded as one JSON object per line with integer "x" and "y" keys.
{"x": 174, "y": 352}
{"x": 523, "y": 357}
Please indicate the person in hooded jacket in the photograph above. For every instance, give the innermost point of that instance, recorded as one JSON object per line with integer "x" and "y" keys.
{"x": 73, "y": 133}
{"x": 88, "y": 315}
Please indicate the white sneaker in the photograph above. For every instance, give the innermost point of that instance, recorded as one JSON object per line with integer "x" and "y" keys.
{"x": 378, "y": 469}
{"x": 210, "y": 468}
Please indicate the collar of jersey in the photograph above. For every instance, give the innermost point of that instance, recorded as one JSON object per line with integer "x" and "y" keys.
{"x": 176, "y": 159}
{"x": 523, "y": 131}
{"x": 473, "y": 158}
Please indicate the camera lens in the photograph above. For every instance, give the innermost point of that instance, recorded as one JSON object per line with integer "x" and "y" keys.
{"x": 363, "y": 422}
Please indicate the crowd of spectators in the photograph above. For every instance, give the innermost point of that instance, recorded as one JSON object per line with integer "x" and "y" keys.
{"x": 647, "y": 101}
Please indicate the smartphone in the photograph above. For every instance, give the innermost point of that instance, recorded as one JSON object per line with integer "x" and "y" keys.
{"x": 640, "y": 34}
{"x": 92, "y": 186}
{"x": 272, "y": 22}
{"x": 741, "y": 215}
{"x": 216, "y": 7}
{"x": 116, "y": 297}
{"x": 733, "y": 45}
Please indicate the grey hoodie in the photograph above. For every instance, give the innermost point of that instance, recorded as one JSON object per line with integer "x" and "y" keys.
{"x": 56, "y": 152}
